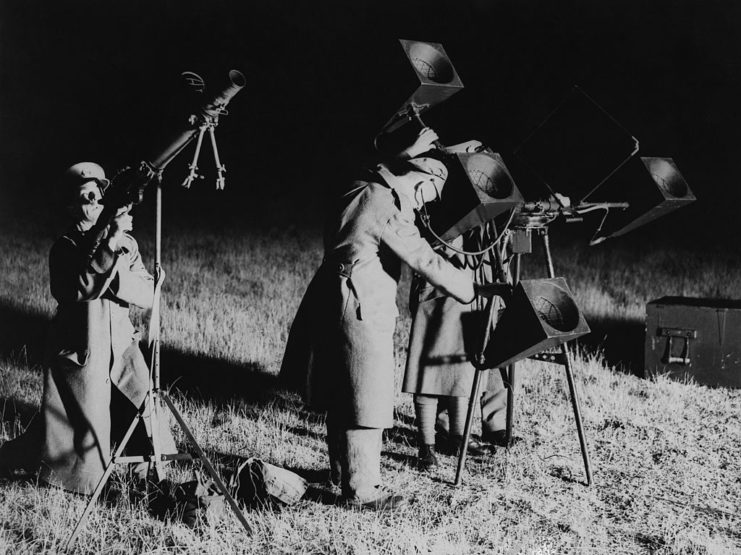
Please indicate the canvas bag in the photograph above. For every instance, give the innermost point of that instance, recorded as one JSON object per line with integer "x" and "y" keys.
{"x": 258, "y": 483}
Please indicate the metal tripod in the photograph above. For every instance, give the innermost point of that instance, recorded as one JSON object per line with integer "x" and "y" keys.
{"x": 153, "y": 407}
{"x": 522, "y": 245}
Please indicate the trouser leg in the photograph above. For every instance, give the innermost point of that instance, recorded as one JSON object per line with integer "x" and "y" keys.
{"x": 425, "y": 408}
{"x": 457, "y": 411}
{"x": 493, "y": 409}
{"x": 494, "y": 405}
{"x": 361, "y": 475}
{"x": 336, "y": 447}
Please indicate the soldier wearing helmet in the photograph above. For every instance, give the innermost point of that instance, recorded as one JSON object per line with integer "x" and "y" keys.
{"x": 341, "y": 342}
{"x": 97, "y": 377}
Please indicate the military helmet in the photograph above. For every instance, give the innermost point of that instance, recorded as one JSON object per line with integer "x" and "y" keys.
{"x": 82, "y": 172}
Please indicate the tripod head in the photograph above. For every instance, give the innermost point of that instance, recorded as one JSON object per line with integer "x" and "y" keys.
{"x": 206, "y": 118}
{"x": 128, "y": 186}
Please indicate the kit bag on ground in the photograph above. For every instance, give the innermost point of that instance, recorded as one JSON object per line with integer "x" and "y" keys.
{"x": 259, "y": 484}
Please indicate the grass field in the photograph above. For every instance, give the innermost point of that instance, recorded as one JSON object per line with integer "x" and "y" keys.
{"x": 666, "y": 455}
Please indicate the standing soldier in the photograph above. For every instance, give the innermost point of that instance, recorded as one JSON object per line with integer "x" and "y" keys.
{"x": 349, "y": 313}
{"x": 97, "y": 377}
{"x": 439, "y": 368}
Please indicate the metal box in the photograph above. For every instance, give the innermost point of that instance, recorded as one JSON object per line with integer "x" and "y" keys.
{"x": 694, "y": 337}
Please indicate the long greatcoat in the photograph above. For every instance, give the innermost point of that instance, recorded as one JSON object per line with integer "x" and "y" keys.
{"x": 445, "y": 335}
{"x": 92, "y": 346}
{"x": 341, "y": 342}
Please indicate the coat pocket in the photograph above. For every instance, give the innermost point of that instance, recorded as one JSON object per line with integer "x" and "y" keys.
{"x": 379, "y": 317}
{"x": 375, "y": 303}
{"x": 69, "y": 358}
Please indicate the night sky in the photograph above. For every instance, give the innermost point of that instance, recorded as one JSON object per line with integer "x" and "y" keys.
{"x": 100, "y": 81}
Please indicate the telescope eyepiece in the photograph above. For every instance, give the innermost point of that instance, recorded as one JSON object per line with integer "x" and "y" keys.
{"x": 237, "y": 78}
{"x": 237, "y": 82}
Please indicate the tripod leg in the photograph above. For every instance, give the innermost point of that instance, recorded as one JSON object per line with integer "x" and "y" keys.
{"x": 510, "y": 403}
{"x": 570, "y": 374}
{"x": 154, "y": 432}
{"x": 193, "y": 174}
{"x": 577, "y": 415}
{"x": 511, "y": 371}
{"x": 209, "y": 467}
{"x": 104, "y": 479}
{"x": 472, "y": 402}
{"x": 220, "y": 168}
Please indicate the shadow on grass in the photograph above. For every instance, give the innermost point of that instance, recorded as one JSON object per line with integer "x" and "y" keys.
{"x": 23, "y": 338}
{"x": 620, "y": 341}
{"x": 22, "y": 333}
{"x": 17, "y": 412}
{"x": 209, "y": 378}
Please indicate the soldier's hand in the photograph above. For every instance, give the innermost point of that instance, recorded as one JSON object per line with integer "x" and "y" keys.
{"x": 425, "y": 141}
{"x": 121, "y": 223}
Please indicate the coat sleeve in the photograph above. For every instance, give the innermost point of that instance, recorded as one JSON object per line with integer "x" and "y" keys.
{"x": 73, "y": 278}
{"x": 133, "y": 283}
{"x": 403, "y": 238}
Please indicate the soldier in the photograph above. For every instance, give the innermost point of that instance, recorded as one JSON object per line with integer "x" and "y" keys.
{"x": 349, "y": 312}
{"x": 97, "y": 377}
{"x": 439, "y": 371}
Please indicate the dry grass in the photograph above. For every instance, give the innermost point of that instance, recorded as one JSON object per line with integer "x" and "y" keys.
{"x": 666, "y": 455}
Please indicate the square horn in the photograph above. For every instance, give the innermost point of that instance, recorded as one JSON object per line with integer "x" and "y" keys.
{"x": 428, "y": 80}
{"x": 479, "y": 188}
{"x": 652, "y": 186}
{"x": 541, "y": 315}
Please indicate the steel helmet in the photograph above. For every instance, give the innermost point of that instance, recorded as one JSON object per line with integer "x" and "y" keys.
{"x": 82, "y": 172}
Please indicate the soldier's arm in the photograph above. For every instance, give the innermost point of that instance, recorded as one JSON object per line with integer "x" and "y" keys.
{"x": 133, "y": 283}
{"x": 73, "y": 278}
{"x": 403, "y": 238}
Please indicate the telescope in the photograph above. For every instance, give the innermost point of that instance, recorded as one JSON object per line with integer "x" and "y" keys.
{"x": 208, "y": 115}
{"x": 127, "y": 186}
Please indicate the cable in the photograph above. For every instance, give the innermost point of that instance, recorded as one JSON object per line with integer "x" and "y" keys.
{"x": 425, "y": 219}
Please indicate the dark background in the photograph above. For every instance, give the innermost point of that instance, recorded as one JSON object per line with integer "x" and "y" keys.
{"x": 100, "y": 81}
